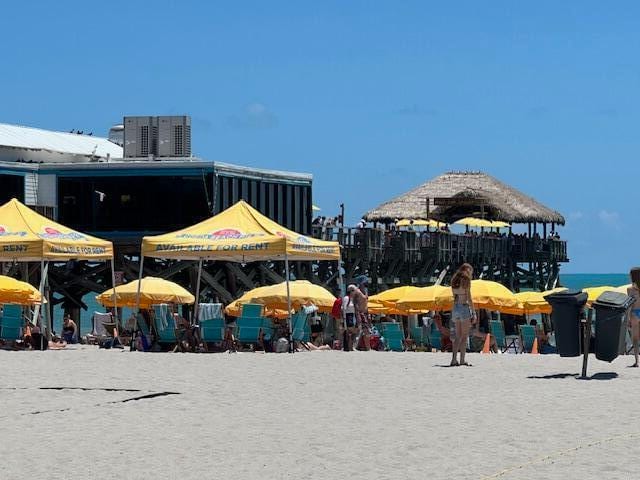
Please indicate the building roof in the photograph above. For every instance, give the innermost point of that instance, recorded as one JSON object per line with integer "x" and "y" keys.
{"x": 469, "y": 194}
{"x": 29, "y": 138}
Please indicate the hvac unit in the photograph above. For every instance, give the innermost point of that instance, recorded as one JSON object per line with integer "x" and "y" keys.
{"x": 174, "y": 136}
{"x": 140, "y": 137}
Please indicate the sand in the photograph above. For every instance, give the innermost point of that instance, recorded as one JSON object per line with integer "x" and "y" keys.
{"x": 315, "y": 415}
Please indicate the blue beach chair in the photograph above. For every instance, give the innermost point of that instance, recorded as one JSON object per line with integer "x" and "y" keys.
{"x": 418, "y": 337}
{"x": 11, "y": 323}
{"x": 300, "y": 328}
{"x": 144, "y": 329}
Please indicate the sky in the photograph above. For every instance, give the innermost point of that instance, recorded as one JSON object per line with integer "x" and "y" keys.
{"x": 372, "y": 98}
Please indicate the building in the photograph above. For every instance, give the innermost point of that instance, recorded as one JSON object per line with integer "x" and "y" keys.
{"x": 87, "y": 182}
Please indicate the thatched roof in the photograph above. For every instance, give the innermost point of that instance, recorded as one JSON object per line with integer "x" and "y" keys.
{"x": 472, "y": 193}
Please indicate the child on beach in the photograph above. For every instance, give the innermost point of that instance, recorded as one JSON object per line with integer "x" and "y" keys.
{"x": 463, "y": 313}
{"x": 634, "y": 318}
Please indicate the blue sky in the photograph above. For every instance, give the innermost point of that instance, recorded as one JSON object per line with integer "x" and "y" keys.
{"x": 372, "y": 98}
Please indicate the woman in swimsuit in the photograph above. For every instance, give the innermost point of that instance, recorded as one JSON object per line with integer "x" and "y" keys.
{"x": 463, "y": 313}
{"x": 634, "y": 317}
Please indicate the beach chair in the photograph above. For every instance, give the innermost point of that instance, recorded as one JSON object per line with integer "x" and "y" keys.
{"x": 251, "y": 310}
{"x": 418, "y": 336}
{"x": 11, "y": 323}
{"x": 504, "y": 342}
{"x": 144, "y": 329}
{"x": 300, "y": 329}
{"x": 435, "y": 338}
{"x": 165, "y": 325}
{"x": 393, "y": 336}
{"x": 527, "y": 337}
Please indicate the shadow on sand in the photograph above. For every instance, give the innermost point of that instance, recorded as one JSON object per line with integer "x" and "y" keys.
{"x": 597, "y": 376}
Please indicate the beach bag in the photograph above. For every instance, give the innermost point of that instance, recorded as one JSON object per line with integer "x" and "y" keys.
{"x": 336, "y": 310}
{"x": 282, "y": 345}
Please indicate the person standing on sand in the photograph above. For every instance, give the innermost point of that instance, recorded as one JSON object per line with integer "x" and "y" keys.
{"x": 360, "y": 301}
{"x": 634, "y": 317}
{"x": 463, "y": 313}
{"x": 349, "y": 317}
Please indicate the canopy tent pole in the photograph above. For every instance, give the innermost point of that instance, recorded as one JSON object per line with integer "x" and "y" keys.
{"x": 49, "y": 306}
{"x": 139, "y": 283}
{"x": 196, "y": 313}
{"x": 286, "y": 273}
{"x": 115, "y": 299}
{"x": 36, "y": 311}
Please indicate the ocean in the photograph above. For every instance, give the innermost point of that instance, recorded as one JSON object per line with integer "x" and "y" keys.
{"x": 579, "y": 281}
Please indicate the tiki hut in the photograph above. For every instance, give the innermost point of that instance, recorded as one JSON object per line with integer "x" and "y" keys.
{"x": 455, "y": 195}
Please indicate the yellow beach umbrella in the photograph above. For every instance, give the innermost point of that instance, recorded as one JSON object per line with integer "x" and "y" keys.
{"x": 594, "y": 292}
{"x": 407, "y": 222}
{"x": 18, "y": 292}
{"x": 622, "y": 288}
{"x": 485, "y": 294}
{"x": 422, "y": 299}
{"x": 391, "y": 296}
{"x": 533, "y": 302}
{"x": 474, "y": 222}
{"x": 315, "y": 208}
{"x": 499, "y": 224}
{"x": 377, "y": 307}
{"x": 302, "y": 292}
{"x": 153, "y": 291}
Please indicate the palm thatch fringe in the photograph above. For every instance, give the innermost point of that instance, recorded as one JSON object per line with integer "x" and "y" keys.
{"x": 478, "y": 193}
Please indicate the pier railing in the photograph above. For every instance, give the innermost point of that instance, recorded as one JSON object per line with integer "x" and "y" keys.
{"x": 377, "y": 245}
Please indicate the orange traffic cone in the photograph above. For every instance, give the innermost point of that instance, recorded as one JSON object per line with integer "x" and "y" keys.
{"x": 487, "y": 344}
{"x": 534, "y": 349}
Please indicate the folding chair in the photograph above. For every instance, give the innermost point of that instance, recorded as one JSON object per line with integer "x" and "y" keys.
{"x": 504, "y": 342}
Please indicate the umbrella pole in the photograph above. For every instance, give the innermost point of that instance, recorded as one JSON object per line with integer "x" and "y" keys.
{"x": 115, "y": 299}
{"x": 36, "y": 311}
{"x": 286, "y": 273}
{"x": 196, "y": 305}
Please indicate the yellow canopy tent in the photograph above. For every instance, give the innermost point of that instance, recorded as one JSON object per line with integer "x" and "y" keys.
{"x": 27, "y": 236}
{"x": 152, "y": 291}
{"x": 238, "y": 234}
{"x": 274, "y": 297}
{"x": 485, "y": 294}
{"x": 15, "y": 291}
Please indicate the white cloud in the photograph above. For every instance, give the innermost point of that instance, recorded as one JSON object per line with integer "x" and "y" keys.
{"x": 610, "y": 219}
{"x": 254, "y": 116}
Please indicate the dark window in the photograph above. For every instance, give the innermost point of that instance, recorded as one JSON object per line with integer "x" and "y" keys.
{"x": 11, "y": 186}
{"x": 136, "y": 204}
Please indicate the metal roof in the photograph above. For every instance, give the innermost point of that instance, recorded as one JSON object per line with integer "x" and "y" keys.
{"x": 15, "y": 136}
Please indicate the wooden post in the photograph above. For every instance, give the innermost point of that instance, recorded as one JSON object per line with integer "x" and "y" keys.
{"x": 544, "y": 230}
{"x": 586, "y": 338}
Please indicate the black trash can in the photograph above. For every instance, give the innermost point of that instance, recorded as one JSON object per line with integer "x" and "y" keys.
{"x": 566, "y": 310}
{"x": 611, "y": 324}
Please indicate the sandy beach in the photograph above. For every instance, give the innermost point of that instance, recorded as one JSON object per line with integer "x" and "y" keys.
{"x": 315, "y": 415}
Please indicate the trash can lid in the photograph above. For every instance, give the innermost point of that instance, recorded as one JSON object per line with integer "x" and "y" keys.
{"x": 574, "y": 297}
{"x": 615, "y": 300}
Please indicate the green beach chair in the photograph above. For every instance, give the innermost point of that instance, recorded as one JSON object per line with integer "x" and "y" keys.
{"x": 165, "y": 325}
{"x": 504, "y": 342}
{"x": 393, "y": 335}
{"x": 250, "y": 324}
{"x": 300, "y": 328}
{"x": 417, "y": 335}
{"x": 11, "y": 323}
{"x": 251, "y": 310}
{"x": 527, "y": 337}
{"x": 435, "y": 338}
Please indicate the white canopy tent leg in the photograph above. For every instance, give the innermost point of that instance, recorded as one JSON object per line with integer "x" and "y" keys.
{"x": 115, "y": 299}
{"x": 196, "y": 309}
{"x": 139, "y": 283}
{"x": 286, "y": 273}
{"x": 36, "y": 320}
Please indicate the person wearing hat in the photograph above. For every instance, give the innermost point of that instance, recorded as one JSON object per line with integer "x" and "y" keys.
{"x": 349, "y": 316}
